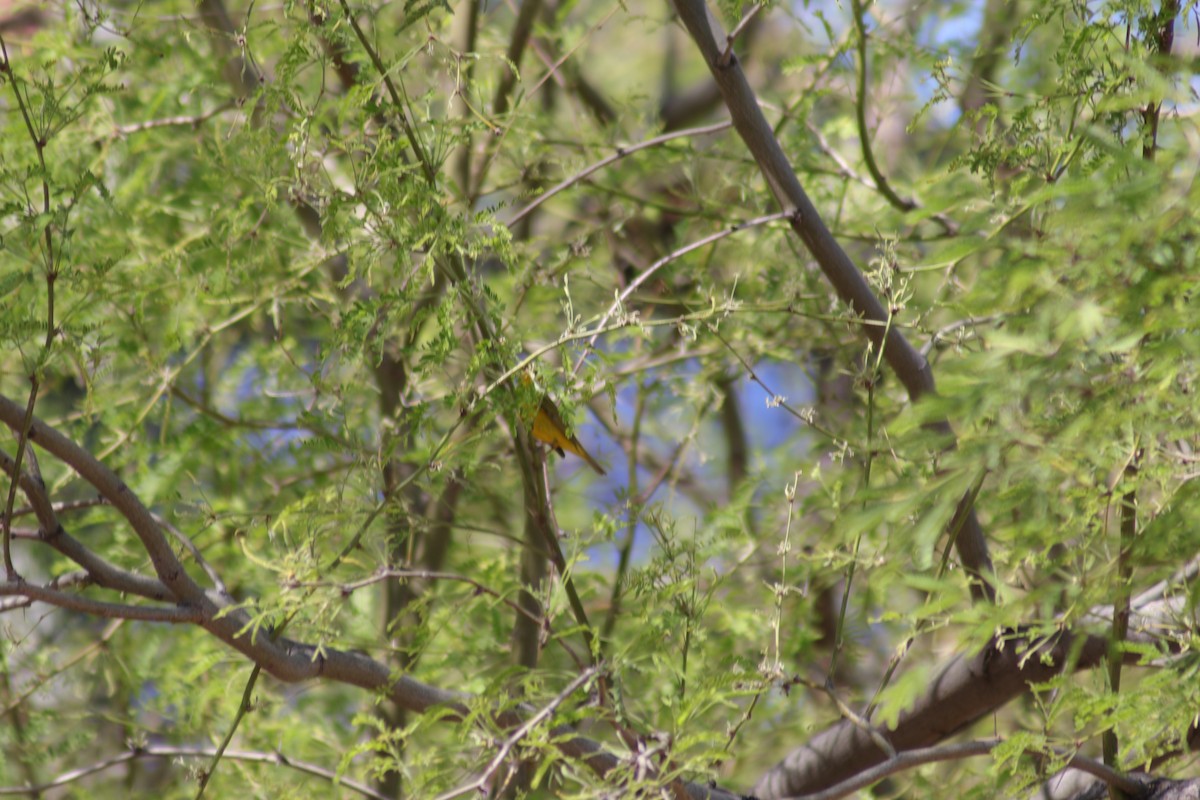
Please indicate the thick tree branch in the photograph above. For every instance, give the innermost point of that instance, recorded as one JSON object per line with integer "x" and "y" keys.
{"x": 76, "y": 578}
{"x": 99, "y": 571}
{"x": 930, "y": 755}
{"x": 97, "y": 608}
{"x": 679, "y": 108}
{"x": 967, "y": 688}
{"x": 166, "y": 565}
{"x": 285, "y": 659}
{"x": 908, "y": 364}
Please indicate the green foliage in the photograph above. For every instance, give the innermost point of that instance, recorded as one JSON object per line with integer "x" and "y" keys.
{"x": 285, "y": 311}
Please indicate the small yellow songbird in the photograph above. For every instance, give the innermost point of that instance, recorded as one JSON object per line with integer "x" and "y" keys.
{"x": 548, "y": 427}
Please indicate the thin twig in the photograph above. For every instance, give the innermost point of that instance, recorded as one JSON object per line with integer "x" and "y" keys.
{"x": 190, "y": 546}
{"x": 732, "y": 36}
{"x": 243, "y": 708}
{"x": 34, "y": 489}
{"x": 849, "y": 715}
{"x": 807, "y": 416}
{"x": 621, "y": 152}
{"x": 860, "y": 111}
{"x": 44, "y": 678}
{"x": 481, "y": 782}
{"x": 634, "y": 512}
{"x": 672, "y": 463}
{"x": 548, "y": 526}
{"x": 64, "y": 507}
{"x": 667, "y": 259}
{"x": 847, "y": 171}
{"x": 401, "y": 103}
{"x": 10, "y": 572}
{"x": 121, "y": 131}
{"x": 495, "y": 142}
{"x": 724, "y": 309}
{"x": 163, "y": 751}
{"x": 385, "y": 574}
{"x": 259, "y": 424}
{"x": 942, "y": 333}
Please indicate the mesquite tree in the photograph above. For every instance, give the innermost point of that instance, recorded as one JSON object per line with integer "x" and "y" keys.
{"x": 880, "y": 318}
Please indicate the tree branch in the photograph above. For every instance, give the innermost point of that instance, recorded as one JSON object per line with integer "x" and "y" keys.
{"x": 285, "y": 659}
{"x": 930, "y": 755}
{"x": 964, "y": 690}
{"x": 860, "y": 115}
{"x": 164, "y": 751}
{"x": 74, "y": 602}
{"x": 546, "y": 712}
{"x": 909, "y": 365}
{"x": 398, "y": 96}
{"x": 51, "y": 531}
{"x": 621, "y": 152}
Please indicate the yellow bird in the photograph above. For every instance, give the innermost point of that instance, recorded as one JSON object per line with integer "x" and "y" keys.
{"x": 548, "y": 427}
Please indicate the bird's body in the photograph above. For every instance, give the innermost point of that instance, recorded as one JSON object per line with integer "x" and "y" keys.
{"x": 548, "y": 427}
